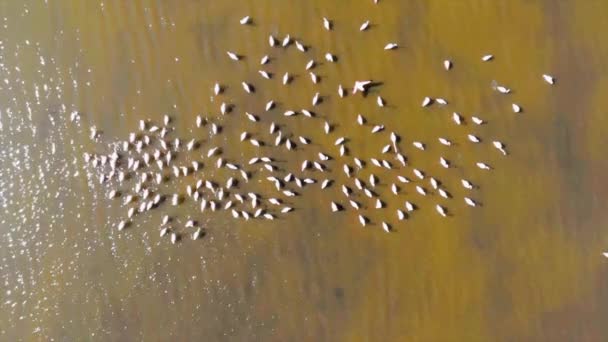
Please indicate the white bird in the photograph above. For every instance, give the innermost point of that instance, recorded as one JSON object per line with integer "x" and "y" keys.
{"x": 341, "y": 92}
{"x": 271, "y": 41}
{"x": 502, "y": 89}
{"x": 372, "y": 180}
{"x": 420, "y": 190}
{"x": 364, "y": 26}
{"x": 377, "y": 128}
{"x": 190, "y": 145}
{"x": 549, "y": 79}
{"x": 122, "y": 225}
{"x": 380, "y": 101}
{"x": 327, "y": 127}
{"x": 164, "y": 231}
{"x": 316, "y": 99}
{"x": 473, "y": 138}
{"x": 300, "y": 46}
{"x": 325, "y": 183}
{"x": 173, "y": 238}
{"x": 470, "y": 202}
{"x": 245, "y": 20}
{"x": 305, "y": 165}
{"x": 335, "y": 207}
{"x": 441, "y": 210}
{"x": 224, "y": 108}
{"x": 233, "y": 56}
{"x": 444, "y": 162}
{"x": 286, "y": 40}
{"x": 264, "y": 60}
{"x": 400, "y": 157}
{"x": 314, "y": 78}
{"x": 359, "y": 184}
{"x": 326, "y": 24}
{"x": 269, "y": 106}
{"x": 379, "y": 204}
{"x": 289, "y": 193}
{"x": 286, "y": 78}
{"x": 304, "y": 141}
{"x": 467, "y": 184}
{"x": 426, "y": 101}
{"x": 310, "y": 64}
{"x": 340, "y": 141}
{"x": 447, "y": 64}
{"x": 457, "y": 118}
{"x": 477, "y": 120}
{"x": 445, "y": 141}
{"x": 360, "y": 119}
{"x": 359, "y": 163}
{"x": 248, "y": 87}
{"x": 362, "y": 220}
{"x": 251, "y": 117}
{"x": 500, "y": 146}
{"x": 443, "y": 193}
{"x": 409, "y": 206}
{"x": 265, "y": 74}
{"x": 386, "y": 227}
{"x": 212, "y": 151}
{"x": 487, "y": 58}
{"x": 289, "y": 113}
{"x": 483, "y": 166}
{"x": 418, "y": 145}
{"x": 516, "y": 108}
{"x": 391, "y": 46}
{"x": 441, "y": 101}
{"x": 434, "y": 183}
{"x": 347, "y": 170}
{"x": 329, "y": 57}
{"x": 418, "y": 173}
{"x": 355, "y": 205}
{"x": 361, "y": 86}
{"x": 307, "y": 113}
{"x": 400, "y": 214}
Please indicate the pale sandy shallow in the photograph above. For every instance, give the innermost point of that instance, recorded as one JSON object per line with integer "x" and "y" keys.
{"x": 527, "y": 266}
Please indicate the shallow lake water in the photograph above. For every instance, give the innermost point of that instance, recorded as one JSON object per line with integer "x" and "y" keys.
{"x": 526, "y": 265}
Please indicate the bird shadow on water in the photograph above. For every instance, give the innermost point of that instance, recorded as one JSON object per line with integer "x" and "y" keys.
{"x": 372, "y": 88}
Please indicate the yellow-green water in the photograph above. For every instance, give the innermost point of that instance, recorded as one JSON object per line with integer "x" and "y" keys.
{"x": 527, "y": 266}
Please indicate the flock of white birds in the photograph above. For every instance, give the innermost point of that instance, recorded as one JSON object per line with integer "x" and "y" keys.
{"x": 153, "y": 168}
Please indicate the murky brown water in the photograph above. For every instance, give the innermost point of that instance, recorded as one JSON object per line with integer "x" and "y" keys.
{"x": 526, "y": 266}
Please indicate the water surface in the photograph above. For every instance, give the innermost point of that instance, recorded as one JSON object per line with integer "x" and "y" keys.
{"x": 526, "y": 266}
